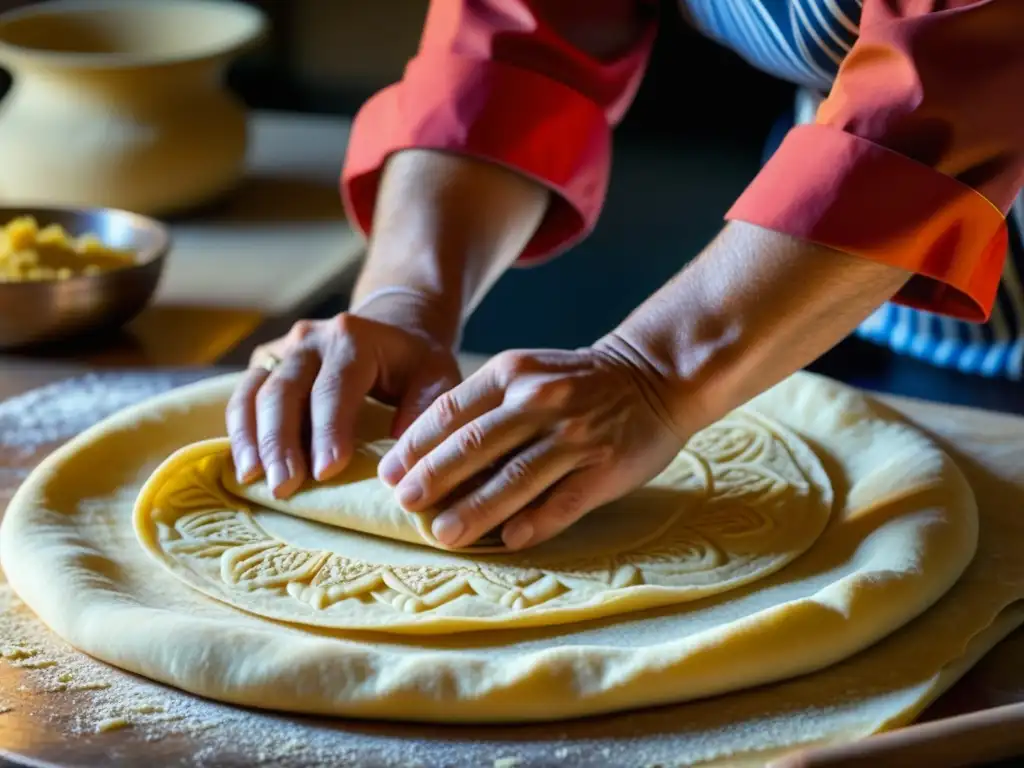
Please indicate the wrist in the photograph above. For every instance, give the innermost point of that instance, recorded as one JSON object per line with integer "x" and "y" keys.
{"x": 428, "y": 315}
{"x": 751, "y": 310}
{"x": 669, "y": 394}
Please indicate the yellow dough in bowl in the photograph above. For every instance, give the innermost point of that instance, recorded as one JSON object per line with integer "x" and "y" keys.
{"x": 28, "y": 253}
{"x": 903, "y": 528}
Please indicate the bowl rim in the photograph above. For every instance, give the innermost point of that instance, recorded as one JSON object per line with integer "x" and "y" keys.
{"x": 10, "y": 52}
{"x": 145, "y": 259}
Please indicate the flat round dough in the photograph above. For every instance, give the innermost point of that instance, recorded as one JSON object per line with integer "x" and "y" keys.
{"x": 742, "y": 500}
{"x": 904, "y": 527}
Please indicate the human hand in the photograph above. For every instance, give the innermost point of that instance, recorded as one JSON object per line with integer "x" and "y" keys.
{"x": 326, "y": 369}
{"x": 546, "y": 436}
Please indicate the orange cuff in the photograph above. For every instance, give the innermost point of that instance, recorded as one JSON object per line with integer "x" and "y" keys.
{"x": 491, "y": 111}
{"x": 838, "y": 190}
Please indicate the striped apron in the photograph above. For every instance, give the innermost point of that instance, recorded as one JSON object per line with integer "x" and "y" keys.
{"x": 804, "y": 41}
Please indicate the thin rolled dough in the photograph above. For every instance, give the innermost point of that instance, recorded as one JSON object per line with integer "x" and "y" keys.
{"x": 742, "y": 500}
{"x": 903, "y": 530}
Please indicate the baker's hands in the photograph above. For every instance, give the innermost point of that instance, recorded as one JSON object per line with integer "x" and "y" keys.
{"x": 305, "y": 408}
{"x": 543, "y": 436}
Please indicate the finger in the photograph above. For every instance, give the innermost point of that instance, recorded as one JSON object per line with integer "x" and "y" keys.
{"x": 522, "y": 479}
{"x": 452, "y": 410}
{"x": 566, "y": 502}
{"x": 459, "y": 457}
{"x": 344, "y": 380}
{"x": 241, "y": 425}
{"x": 280, "y": 411}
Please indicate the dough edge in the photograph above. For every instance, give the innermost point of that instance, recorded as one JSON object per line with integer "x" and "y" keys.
{"x": 374, "y": 682}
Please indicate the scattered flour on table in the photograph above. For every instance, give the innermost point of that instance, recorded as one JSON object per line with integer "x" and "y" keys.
{"x": 59, "y": 411}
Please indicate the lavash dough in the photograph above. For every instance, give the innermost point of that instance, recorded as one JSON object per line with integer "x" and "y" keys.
{"x": 743, "y": 499}
{"x": 903, "y": 530}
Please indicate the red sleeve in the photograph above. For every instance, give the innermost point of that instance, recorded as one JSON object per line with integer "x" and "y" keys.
{"x": 512, "y": 82}
{"x": 916, "y": 155}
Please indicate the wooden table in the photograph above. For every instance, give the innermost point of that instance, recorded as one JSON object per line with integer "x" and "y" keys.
{"x": 274, "y": 248}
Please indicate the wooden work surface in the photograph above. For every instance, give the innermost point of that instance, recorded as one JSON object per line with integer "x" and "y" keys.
{"x": 38, "y": 727}
{"x": 274, "y": 247}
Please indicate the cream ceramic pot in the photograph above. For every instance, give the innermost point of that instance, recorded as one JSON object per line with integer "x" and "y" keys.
{"x": 120, "y": 103}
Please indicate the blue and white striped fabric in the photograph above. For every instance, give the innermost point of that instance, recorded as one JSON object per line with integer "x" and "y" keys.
{"x": 804, "y": 41}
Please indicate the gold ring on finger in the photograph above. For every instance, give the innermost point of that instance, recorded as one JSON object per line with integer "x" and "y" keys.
{"x": 270, "y": 362}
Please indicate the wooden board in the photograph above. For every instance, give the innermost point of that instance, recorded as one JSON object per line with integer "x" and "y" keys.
{"x": 47, "y": 725}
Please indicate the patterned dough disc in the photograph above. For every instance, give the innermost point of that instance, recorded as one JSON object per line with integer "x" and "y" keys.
{"x": 743, "y": 499}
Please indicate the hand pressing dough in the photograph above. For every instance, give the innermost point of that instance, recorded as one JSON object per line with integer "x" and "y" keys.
{"x": 356, "y": 500}
{"x": 742, "y": 500}
{"x": 903, "y": 529}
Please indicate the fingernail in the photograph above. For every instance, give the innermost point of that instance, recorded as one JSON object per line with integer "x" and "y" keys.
{"x": 390, "y": 469}
{"x": 247, "y": 464}
{"x": 409, "y": 493}
{"x": 324, "y": 460}
{"x": 517, "y": 534}
{"x": 447, "y": 528}
{"x": 277, "y": 475}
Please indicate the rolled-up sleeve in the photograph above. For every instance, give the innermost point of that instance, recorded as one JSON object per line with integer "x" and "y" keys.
{"x": 533, "y": 85}
{"x": 916, "y": 155}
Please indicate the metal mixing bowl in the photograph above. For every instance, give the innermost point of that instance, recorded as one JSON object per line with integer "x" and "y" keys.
{"x": 33, "y": 313}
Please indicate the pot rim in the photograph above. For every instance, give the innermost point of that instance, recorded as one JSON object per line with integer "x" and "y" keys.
{"x": 250, "y": 35}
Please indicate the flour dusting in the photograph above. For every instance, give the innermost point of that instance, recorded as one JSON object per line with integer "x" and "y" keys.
{"x": 59, "y": 411}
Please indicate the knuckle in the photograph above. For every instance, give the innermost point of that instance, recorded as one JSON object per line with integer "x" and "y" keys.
{"x": 302, "y": 329}
{"x": 517, "y": 471}
{"x": 446, "y": 412}
{"x": 471, "y": 438}
{"x": 270, "y": 445}
{"x": 427, "y": 473}
{"x": 512, "y": 364}
{"x": 346, "y": 324}
{"x": 328, "y": 430}
{"x": 474, "y": 510}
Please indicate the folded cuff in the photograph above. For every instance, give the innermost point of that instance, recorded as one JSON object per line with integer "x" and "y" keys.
{"x": 495, "y": 112}
{"x": 835, "y": 189}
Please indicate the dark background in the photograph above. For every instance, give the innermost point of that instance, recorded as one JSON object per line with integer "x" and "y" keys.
{"x": 687, "y": 148}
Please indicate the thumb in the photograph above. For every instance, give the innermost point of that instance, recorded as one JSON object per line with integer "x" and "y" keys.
{"x": 423, "y": 388}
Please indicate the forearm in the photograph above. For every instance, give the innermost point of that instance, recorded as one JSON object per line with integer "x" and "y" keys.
{"x": 445, "y": 227}
{"x": 755, "y": 307}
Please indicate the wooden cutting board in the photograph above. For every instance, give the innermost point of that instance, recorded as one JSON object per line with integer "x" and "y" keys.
{"x": 47, "y": 724}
